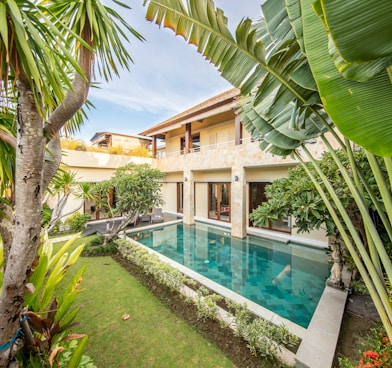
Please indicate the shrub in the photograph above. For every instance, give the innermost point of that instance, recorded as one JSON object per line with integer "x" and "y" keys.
{"x": 95, "y": 247}
{"x": 99, "y": 250}
{"x": 77, "y": 222}
{"x": 377, "y": 352}
{"x": 206, "y": 304}
{"x": 97, "y": 240}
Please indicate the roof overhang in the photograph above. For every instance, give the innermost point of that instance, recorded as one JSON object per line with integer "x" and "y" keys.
{"x": 219, "y": 104}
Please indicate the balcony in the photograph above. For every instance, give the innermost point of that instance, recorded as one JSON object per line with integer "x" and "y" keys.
{"x": 207, "y": 148}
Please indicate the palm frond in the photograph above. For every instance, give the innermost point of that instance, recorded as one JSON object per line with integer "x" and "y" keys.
{"x": 264, "y": 59}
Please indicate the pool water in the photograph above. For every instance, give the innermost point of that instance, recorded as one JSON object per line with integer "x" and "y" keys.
{"x": 287, "y": 279}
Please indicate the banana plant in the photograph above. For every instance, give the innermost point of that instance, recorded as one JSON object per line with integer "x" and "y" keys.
{"x": 282, "y": 64}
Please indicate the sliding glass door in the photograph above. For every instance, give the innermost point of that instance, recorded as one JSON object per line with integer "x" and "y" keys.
{"x": 219, "y": 201}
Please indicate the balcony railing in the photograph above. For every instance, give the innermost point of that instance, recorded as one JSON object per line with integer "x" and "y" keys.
{"x": 210, "y": 147}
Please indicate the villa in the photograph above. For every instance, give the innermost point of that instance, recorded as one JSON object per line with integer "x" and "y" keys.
{"x": 215, "y": 171}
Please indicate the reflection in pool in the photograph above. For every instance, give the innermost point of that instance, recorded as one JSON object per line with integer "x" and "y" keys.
{"x": 287, "y": 279}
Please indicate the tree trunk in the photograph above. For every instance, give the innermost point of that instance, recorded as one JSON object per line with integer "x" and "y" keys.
{"x": 27, "y": 227}
{"x": 122, "y": 226}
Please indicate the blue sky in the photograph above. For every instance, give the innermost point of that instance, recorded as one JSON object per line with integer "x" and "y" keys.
{"x": 167, "y": 77}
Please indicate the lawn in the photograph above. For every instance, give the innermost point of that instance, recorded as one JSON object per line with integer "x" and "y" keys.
{"x": 152, "y": 337}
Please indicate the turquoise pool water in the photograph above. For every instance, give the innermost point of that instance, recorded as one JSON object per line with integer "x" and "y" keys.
{"x": 287, "y": 279}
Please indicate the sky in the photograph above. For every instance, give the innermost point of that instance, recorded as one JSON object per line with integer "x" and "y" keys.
{"x": 167, "y": 77}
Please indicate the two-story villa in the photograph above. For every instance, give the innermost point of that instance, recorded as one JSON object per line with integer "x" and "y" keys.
{"x": 216, "y": 172}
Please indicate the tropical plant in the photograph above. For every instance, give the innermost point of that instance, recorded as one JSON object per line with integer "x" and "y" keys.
{"x": 50, "y": 331}
{"x": 137, "y": 190}
{"x": 296, "y": 196}
{"x": 61, "y": 188}
{"x": 377, "y": 353}
{"x": 289, "y": 82}
{"x": 48, "y": 52}
{"x": 77, "y": 221}
{"x": 47, "y": 319}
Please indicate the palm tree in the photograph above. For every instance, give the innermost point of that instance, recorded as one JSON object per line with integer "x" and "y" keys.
{"x": 62, "y": 187}
{"x": 282, "y": 65}
{"x": 48, "y": 50}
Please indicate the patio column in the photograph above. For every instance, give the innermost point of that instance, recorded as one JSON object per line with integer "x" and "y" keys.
{"x": 188, "y": 138}
{"x": 189, "y": 198}
{"x": 238, "y": 202}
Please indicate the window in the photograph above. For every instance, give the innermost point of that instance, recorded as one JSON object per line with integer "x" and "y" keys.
{"x": 256, "y": 198}
{"x": 219, "y": 201}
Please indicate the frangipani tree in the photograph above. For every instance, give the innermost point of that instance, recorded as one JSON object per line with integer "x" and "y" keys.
{"x": 48, "y": 51}
{"x": 292, "y": 92}
{"x": 138, "y": 190}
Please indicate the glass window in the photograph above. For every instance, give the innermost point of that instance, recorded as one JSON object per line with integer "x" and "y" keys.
{"x": 219, "y": 201}
{"x": 257, "y": 197}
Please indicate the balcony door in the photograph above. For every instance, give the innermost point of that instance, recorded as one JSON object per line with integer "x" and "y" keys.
{"x": 219, "y": 201}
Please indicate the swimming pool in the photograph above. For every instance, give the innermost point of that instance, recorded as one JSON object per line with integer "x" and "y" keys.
{"x": 287, "y": 279}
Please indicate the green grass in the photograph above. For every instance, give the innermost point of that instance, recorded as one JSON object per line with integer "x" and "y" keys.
{"x": 152, "y": 337}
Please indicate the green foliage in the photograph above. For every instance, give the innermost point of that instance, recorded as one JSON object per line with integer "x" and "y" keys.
{"x": 65, "y": 359}
{"x": 96, "y": 247}
{"x": 264, "y": 339}
{"x": 100, "y": 250}
{"x": 77, "y": 221}
{"x": 297, "y": 196}
{"x": 137, "y": 189}
{"x": 359, "y": 287}
{"x": 46, "y": 215}
{"x": 50, "y": 317}
{"x": 96, "y": 241}
{"x": 376, "y": 352}
{"x": 206, "y": 304}
{"x": 151, "y": 265}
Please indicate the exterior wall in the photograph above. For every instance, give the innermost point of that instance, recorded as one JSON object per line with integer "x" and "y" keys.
{"x": 97, "y": 166}
{"x": 128, "y": 142}
{"x": 93, "y": 167}
{"x": 220, "y": 163}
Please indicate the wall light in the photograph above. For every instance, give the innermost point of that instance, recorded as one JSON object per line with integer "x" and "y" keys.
{"x": 235, "y": 178}
{"x": 185, "y": 179}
